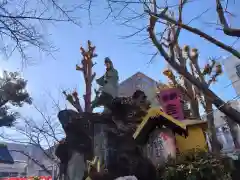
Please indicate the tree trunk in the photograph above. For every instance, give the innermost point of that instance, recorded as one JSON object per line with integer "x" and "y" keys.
{"x": 193, "y": 101}
{"x": 88, "y": 82}
{"x": 194, "y": 108}
{"x": 234, "y": 131}
{"x": 216, "y": 146}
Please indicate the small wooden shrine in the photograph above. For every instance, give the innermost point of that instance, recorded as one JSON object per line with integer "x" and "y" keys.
{"x": 165, "y": 132}
{"x": 173, "y": 104}
{"x": 156, "y": 135}
{"x": 157, "y": 118}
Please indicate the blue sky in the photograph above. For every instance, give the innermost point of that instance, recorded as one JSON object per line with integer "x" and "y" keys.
{"x": 49, "y": 75}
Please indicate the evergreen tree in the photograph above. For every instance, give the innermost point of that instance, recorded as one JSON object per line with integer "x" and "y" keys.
{"x": 12, "y": 93}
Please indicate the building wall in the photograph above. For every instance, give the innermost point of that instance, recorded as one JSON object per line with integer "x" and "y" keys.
{"x": 223, "y": 133}
{"x": 230, "y": 68}
{"x": 135, "y": 82}
{"x": 140, "y": 81}
{"x": 23, "y": 164}
{"x": 230, "y": 65}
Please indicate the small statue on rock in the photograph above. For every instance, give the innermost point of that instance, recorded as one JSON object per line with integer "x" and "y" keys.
{"x": 108, "y": 85}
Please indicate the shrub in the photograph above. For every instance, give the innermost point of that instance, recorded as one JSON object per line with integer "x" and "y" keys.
{"x": 197, "y": 165}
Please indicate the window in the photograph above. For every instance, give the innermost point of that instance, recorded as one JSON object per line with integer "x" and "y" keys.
{"x": 238, "y": 70}
{"x": 13, "y": 174}
{"x": 23, "y": 174}
{"x": 8, "y": 174}
{"x": 139, "y": 86}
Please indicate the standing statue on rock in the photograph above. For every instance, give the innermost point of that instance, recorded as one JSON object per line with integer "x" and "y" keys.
{"x": 108, "y": 86}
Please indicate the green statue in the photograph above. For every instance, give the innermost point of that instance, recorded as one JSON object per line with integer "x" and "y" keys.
{"x": 108, "y": 85}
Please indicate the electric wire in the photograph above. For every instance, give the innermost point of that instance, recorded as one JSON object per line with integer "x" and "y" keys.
{"x": 229, "y": 101}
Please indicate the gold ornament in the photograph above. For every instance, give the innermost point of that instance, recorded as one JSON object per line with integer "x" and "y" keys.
{"x": 168, "y": 73}
{"x": 95, "y": 163}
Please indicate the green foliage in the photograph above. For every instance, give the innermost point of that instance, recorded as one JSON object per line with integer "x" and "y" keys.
{"x": 36, "y": 178}
{"x": 197, "y": 165}
{"x": 12, "y": 92}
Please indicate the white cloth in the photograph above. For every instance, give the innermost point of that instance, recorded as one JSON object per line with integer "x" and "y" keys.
{"x": 127, "y": 178}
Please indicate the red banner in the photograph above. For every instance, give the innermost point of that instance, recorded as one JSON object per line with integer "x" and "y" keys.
{"x": 27, "y": 178}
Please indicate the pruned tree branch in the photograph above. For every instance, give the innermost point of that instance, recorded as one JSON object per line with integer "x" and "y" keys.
{"x": 176, "y": 84}
{"x": 86, "y": 69}
{"x": 73, "y": 100}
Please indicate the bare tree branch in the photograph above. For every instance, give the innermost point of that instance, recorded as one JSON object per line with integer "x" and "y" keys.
{"x": 32, "y": 159}
{"x": 226, "y": 29}
{"x": 198, "y": 32}
{"x": 219, "y": 103}
{"x": 22, "y": 23}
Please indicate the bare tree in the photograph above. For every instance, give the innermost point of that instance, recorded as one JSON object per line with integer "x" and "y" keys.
{"x": 173, "y": 59}
{"x": 166, "y": 40}
{"x": 73, "y": 98}
{"x": 190, "y": 59}
{"x": 43, "y": 134}
{"x": 23, "y": 23}
{"x": 86, "y": 68}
